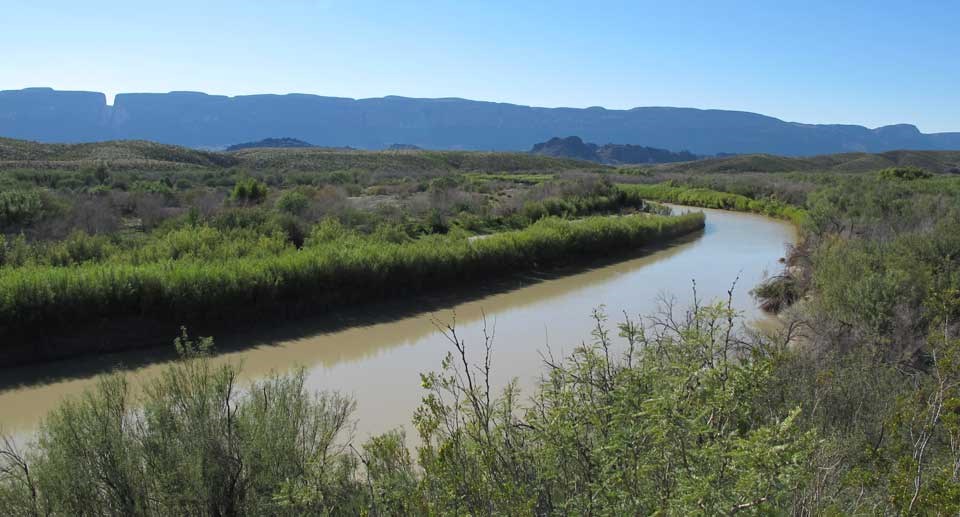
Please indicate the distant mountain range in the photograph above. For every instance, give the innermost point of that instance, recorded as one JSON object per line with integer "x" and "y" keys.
{"x": 213, "y": 121}
{"x": 609, "y": 154}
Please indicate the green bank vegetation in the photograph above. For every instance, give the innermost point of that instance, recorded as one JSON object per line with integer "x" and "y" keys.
{"x": 105, "y": 245}
{"x": 707, "y": 198}
{"x": 201, "y": 272}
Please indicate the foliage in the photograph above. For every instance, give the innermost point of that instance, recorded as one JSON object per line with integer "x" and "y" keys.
{"x": 850, "y": 409}
{"x": 202, "y": 272}
{"x": 904, "y": 173}
{"x": 293, "y": 202}
{"x": 668, "y": 427}
{"x": 19, "y": 207}
{"x": 249, "y": 191}
{"x": 192, "y": 443}
{"x": 668, "y": 424}
{"x": 712, "y": 199}
{"x": 777, "y": 293}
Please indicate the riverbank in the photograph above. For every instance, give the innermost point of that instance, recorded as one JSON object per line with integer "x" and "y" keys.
{"x": 374, "y": 352}
{"x": 336, "y": 270}
{"x": 706, "y": 198}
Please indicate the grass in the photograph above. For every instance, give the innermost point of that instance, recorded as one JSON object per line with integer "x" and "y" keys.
{"x": 706, "y": 198}
{"x": 332, "y": 270}
{"x": 526, "y": 179}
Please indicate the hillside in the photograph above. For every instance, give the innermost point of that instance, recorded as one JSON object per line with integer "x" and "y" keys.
{"x": 141, "y": 155}
{"x": 323, "y": 159}
{"x": 933, "y": 161}
{"x": 214, "y": 121}
{"x": 610, "y": 154}
{"x": 119, "y": 154}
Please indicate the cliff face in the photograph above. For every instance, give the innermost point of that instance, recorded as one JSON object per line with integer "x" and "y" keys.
{"x": 200, "y": 120}
{"x": 53, "y": 116}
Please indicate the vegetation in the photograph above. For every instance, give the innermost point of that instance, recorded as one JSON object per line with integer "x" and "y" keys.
{"x": 146, "y": 156}
{"x": 201, "y": 242}
{"x": 203, "y": 273}
{"x": 683, "y": 415}
{"x": 714, "y": 199}
{"x": 606, "y": 434}
{"x": 904, "y": 173}
{"x": 248, "y": 191}
{"x": 934, "y": 161}
{"x": 850, "y": 408}
{"x": 199, "y": 446}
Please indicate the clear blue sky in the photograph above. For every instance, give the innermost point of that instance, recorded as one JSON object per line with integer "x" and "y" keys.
{"x": 861, "y": 62}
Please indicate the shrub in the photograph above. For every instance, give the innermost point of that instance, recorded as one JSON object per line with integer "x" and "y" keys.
{"x": 18, "y": 207}
{"x": 904, "y": 174}
{"x": 293, "y": 202}
{"x": 249, "y": 191}
{"x": 198, "y": 446}
{"x": 777, "y": 293}
{"x": 679, "y": 424}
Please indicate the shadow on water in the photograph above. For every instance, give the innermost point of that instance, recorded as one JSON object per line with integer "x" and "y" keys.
{"x": 369, "y": 328}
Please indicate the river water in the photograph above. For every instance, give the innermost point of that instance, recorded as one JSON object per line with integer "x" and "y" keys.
{"x": 377, "y": 356}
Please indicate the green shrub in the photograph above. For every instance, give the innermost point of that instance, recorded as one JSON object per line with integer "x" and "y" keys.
{"x": 191, "y": 443}
{"x": 249, "y": 191}
{"x": 18, "y": 207}
{"x": 152, "y": 187}
{"x": 293, "y": 202}
{"x": 80, "y": 247}
{"x": 705, "y": 198}
{"x": 904, "y": 173}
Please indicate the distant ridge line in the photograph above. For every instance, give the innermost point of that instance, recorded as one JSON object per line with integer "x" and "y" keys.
{"x": 199, "y": 120}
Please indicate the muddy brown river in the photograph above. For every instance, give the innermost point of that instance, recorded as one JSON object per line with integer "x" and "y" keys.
{"x": 377, "y": 355}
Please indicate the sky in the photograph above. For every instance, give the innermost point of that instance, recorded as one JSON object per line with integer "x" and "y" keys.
{"x": 818, "y": 61}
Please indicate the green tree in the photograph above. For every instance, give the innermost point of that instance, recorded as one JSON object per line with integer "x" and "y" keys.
{"x": 249, "y": 191}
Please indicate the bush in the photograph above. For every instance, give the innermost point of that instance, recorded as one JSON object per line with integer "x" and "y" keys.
{"x": 904, "y": 174}
{"x": 198, "y": 446}
{"x": 777, "y": 293}
{"x": 678, "y": 424}
{"x": 18, "y": 207}
{"x": 293, "y": 202}
{"x": 249, "y": 191}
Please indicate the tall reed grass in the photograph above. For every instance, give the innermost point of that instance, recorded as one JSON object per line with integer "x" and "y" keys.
{"x": 707, "y": 198}
{"x": 331, "y": 270}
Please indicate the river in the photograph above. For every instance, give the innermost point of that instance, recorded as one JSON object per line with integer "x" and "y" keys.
{"x": 377, "y": 355}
